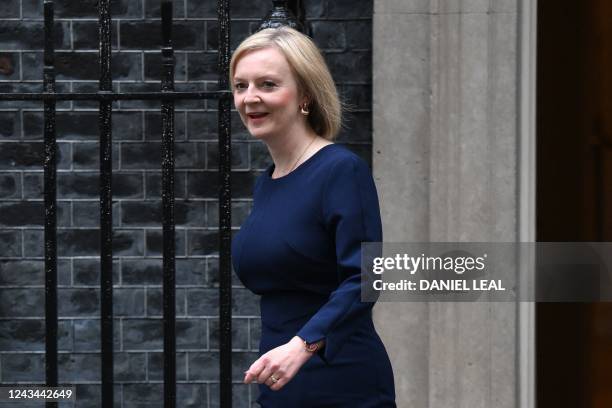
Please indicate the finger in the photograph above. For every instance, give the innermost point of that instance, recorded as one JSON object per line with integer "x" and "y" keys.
{"x": 264, "y": 375}
{"x": 280, "y": 383}
{"x": 254, "y": 370}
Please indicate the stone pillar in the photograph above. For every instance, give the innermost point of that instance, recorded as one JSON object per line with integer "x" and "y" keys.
{"x": 447, "y": 159}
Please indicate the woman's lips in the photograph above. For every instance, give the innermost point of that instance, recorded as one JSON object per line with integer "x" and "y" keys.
{"x": 257, "y": 117}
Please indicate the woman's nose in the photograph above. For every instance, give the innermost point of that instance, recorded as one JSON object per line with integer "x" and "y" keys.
{"x": 251, "y": 96}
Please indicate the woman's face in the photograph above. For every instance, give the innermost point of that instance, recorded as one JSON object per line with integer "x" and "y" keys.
{"x": 266, "y": 94}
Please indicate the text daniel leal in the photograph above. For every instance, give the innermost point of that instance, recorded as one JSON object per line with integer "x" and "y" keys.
{"x": 442, "y": 284}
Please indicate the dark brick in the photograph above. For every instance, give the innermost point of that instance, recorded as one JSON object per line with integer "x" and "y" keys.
{"x": 24, "y": 213}
{"x": 30, "y": 155}
{"x": 192, "y": 103}
{"x": 10, "y": 186}
{"x": 141, "y": 272}
{"x": 314, "y": 9}
{"x": 29, "y": 335}
{"x": 85, "y": 35}
{"x": 22, "y": 272}
{"x": 203, "y": 126}
{"x": 87, "y": 335}
{"x": 155, "y": 302}
{"x": 239, "y": 131}
{"x": 255, "y": 333}
{"x": 244, "y": 303}
{"x": 10, "y": 245}
{"x": 33, "y": 243}
{"x": 87, "y": 213}
{"x": 329, "y": 34}
{"x": 204, "y": 366}
{"x": 152, "y": 9}
{"x": 78, "y": 367}
{"x": 191, "y": 395}
{"x": 357, "y": 96}
{"x": 21, "y": 335}
{"x": 138, "y": 35}
{"x": 256, "y": 9}
{"x": 240, "y": 211}
{"x": 349, "y": 9}
{"x": 212, "y": 274}
{"x": 156, "y": 366}
{"x": 130, "y": 367}
{"x": 153, "y": 66}
{"x": 128, "y": 302}
{"x": 68, "y": 125}
{"x": 83, "y": 8}
{"x": 86, "y": 242}
{"x": 149, "y": 155}
{"x": 240, "y": 392}
{"x": 359, "y": 35}
{"x": 22, "y": 302}
{"x": 84, "y": 65}
{"x": 32, "y": 185}
{"x": 9, "y": 65}
{"x": 350, "y": 66}
{"x": 154, "y": 242}
{"x": 86, "y": 185}
{"x": 190, "y": 272}
{"x": 87, "y": 155}
{"x": 240, "y": 334}
{"x": 79, "y": 302}
{"x": 201, "y": 9}
{"x": 93, "y": 87}
{"x": 203, "y": 66}
{"x": 89, "y": 395}
{"x": 201, "y": 242}
{"x": 29, "y": 35}
{"x": 141, "y": 214}
{"x": 202, "y": 302}
{"x": 140, "y": 104}
{"x": 240, "y": 156}
{"x": 153, "y": 185}
{"x": 153, "y": 126}
{"x": 15, "y": 87}
{"x": 143, "y": 395}
{"x": 357, "y": 128}
{"x": 260, "y": 157}
{"x": 87, "y": 271}
{"x": 9, "y": 9}
{"x": 10, "y": 125}
{"x": 205, "y": 184}
{"x": 127, "y": 125}
{"x": 240, "y": 30}
{"x": 22, "y": 367}
{"x": 143, "y": 334}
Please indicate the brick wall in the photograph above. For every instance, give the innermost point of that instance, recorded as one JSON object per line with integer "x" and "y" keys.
{"x": 342, "y": 28}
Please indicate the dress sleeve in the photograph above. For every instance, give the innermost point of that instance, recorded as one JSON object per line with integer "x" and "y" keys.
{"x": 351, "y": 215}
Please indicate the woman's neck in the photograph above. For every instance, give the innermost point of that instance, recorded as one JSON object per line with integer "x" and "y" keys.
{"x": 288, "y": 152}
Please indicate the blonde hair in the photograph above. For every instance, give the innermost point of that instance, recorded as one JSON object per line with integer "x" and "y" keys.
{"x": 308, "y": 66}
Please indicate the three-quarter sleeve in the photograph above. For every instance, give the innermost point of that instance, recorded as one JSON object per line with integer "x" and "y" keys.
{"x": 351, "y": 215}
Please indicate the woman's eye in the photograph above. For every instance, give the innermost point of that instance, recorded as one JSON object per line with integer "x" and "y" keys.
{"x": 269, "y": 84}
{"x": 239, "y": 86}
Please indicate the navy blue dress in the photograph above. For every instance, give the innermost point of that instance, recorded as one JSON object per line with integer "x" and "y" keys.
{"x": 300, "y": 250}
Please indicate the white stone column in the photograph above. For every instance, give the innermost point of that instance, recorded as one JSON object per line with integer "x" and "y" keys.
{"x": 447, "y": 156}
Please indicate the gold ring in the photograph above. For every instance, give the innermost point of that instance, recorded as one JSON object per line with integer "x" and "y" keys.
{"x": 274, "y": 379}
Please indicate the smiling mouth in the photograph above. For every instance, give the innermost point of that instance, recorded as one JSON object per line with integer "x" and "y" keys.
{"x": 257, "y": 115}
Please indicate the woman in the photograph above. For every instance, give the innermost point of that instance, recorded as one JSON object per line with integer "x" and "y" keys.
{"x": 300, "y": 246}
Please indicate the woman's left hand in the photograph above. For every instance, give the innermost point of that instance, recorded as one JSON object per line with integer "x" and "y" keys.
{"x": 283, "y": 362}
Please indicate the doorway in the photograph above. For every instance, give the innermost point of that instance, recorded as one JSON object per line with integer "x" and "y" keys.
{"x": 574, "y": 192}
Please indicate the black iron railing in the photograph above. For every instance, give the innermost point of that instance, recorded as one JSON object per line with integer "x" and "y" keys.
{"x": 279, "y": 15}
